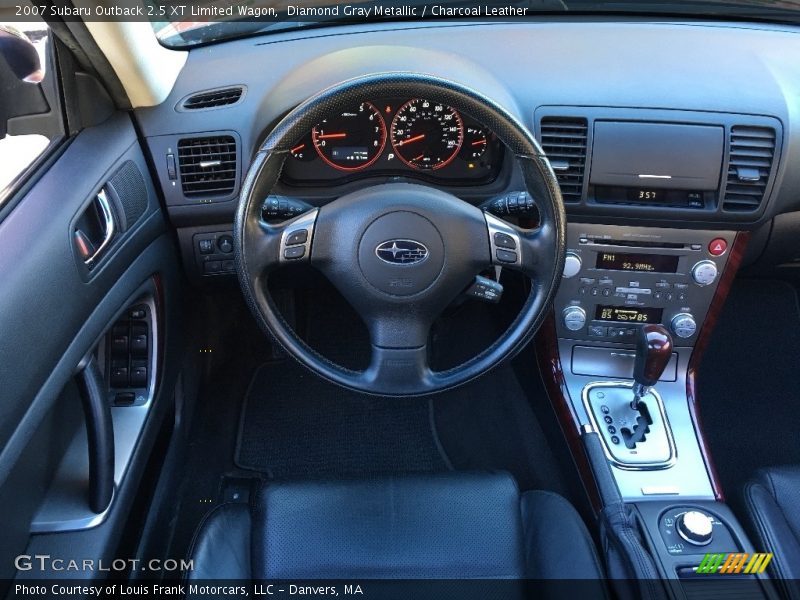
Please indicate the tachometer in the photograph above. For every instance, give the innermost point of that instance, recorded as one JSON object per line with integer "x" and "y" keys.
{"x": 426, "y": 135}
{"x": 351, "y": 140}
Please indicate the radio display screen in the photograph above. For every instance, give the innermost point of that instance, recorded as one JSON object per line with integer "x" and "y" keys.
{"x": 626, "y": 314}
{"x": 649, "y": 263}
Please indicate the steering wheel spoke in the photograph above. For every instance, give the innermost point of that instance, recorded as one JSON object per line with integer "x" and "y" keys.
{"x": 277, "y": 244}
{"x": 526, "y": 250}
{"x": 398, "y": 369}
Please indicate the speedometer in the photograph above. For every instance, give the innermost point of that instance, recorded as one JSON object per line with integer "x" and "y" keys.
{"x": 351, "y": 140}
{"x": 426, "y": 135}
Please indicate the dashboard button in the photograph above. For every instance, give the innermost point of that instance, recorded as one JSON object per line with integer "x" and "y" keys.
{"x": 572, "y": 265}
{"x": 717, "y": 247}
{"x": 225, "y": 244}
{"x": 704, "y": 272}
{"x": 212, "y": 266}
{"x": 598, "y": 331}
{"x": 206, "y": 246}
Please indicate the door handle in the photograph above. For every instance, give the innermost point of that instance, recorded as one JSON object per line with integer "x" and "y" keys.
{"x": 99, "y": 435}
{"x": 87, "y": 249}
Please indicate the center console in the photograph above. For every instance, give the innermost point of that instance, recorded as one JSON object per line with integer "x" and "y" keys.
{"x": 622, "y": 288}
{"x": 617, "y": 279}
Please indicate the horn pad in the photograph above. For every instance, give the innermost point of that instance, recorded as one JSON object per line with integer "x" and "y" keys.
{"x": 401, "y": 253}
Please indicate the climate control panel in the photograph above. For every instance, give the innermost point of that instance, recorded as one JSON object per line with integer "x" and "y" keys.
{"x": 617, "y": 278}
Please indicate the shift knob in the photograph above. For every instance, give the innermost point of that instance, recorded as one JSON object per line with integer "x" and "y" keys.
{"x": 653, "y": 351}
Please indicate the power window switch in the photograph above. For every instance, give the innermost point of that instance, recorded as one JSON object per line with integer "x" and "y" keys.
{"x": 119, "y": 377}
{"x": 139, "y": 377}
{"x": 139, "y": 345}
{"x": 119, "y": 345}
{"x": 124, "y": 399}
{"x": 138, "y": 313}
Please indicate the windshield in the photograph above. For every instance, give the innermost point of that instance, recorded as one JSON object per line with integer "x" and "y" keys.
{"x": 213, "y": 20}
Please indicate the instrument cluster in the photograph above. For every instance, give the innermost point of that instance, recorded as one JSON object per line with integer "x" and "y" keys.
{"x": 396, "y": 137}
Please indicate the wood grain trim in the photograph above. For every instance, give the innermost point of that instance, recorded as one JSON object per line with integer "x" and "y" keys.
{"x": 735, "y": 258}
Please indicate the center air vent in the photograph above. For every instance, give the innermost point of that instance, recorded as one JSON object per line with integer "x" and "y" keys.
{"x": 207, "y": 165}
{"x": 213, "y": 98}
{"x": 752, "y": 151}
{"x": 564, "y": 142}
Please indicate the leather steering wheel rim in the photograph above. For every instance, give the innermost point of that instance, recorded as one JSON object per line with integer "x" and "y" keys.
{"x": 399, "y": 366}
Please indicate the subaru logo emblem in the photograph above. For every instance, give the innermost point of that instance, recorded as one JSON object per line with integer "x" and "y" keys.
{"x": 401, "y": 252}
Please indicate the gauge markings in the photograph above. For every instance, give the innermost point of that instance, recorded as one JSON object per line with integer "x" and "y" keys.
{"x": 436, "y": 129}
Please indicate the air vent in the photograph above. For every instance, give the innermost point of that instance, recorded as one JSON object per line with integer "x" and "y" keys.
{"x": 564, "y": 142}
{"x": 213, "y": 98}
{"x": 207, "y": 165}
{"x": 749, "y": 166}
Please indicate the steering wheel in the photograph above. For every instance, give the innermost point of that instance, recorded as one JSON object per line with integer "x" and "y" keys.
{"x": 400, "y": 253}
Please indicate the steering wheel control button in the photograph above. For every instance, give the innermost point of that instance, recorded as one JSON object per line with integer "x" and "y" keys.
{"x": 717, "y": 247}
{"x": 684, "y": 325}
{"x": 696, "y": 527}
{"x": 572, "y": 265}
{"x": 485, "y": 289}
{"x": 225, "y": 244}
{"x": 294, "y": 252}
{"x": 506, "y": 256}
{"x": 503, "y": 240}
{"x": 574, "y": 318}
{"x": 297, "y": 237}
{"x": 704, "y": 272}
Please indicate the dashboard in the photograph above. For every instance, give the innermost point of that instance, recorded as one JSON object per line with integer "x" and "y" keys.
{"x": 405, "y": 137}
{"x": 647, "y": 123}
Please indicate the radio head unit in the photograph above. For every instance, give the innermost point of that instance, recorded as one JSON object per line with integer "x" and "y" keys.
{"x": 618, "y": 278}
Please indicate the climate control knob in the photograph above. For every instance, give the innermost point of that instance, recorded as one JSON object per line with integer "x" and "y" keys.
{"x": 572, "y": 265}
{"x": 696, "y": 527}
{"x": 684, "y": 325}
{"x": 574, "y": 318}
{"x": 704, "y": 272}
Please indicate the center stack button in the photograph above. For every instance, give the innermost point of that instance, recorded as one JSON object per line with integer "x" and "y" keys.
{"x": 574, "y": 318}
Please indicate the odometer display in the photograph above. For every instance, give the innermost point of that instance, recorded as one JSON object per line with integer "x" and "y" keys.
{"x": 426, "y": 135}
{"x": 351, "y": 140}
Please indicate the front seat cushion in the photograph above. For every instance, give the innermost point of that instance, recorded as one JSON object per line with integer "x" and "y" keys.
{"x": 772, "y": 500}
{"x": 426, "y": 526}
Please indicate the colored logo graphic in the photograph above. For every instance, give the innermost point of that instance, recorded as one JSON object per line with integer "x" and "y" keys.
{"x": 734, "y": 563}
{"x": 401, "y": 252}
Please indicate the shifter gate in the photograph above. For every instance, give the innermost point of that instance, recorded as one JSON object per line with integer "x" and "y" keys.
{"x": 632, "y": 439}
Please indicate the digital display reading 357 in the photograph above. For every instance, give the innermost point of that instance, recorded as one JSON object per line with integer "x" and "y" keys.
{"x": 625, "y": 314}
{"x": 649, "y": 263}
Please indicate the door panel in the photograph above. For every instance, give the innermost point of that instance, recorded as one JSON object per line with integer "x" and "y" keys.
{"x": 55, "y": 311}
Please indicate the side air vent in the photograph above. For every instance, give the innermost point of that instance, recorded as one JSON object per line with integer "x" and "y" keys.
{"x": 564, "y": 142}
{"x": 213, "y": 98}
{"x": 752, "y": 151}
{"x": 207, "y": 165}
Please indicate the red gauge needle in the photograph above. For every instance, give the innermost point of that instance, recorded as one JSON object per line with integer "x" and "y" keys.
{"x": 297, "y": 148}
{"x": 330, "y": 136}
{"x": 478, "y": 142}
{"x": 416, "y": 138}
{"x": 418, "y": 157}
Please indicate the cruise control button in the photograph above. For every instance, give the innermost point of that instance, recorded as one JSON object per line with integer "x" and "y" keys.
{"x": 297, "y": 237}
{"x": 294, "y": 252}
{"x": 506, "y": 256}
{"x": 503, "y": 240}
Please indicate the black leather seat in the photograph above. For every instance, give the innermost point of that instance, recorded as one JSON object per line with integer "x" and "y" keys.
{"x": 773, "y": 502}
{"x": 427, "y": 526}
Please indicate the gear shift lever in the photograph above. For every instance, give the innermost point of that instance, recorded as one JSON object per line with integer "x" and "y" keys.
{"x": 653, "y": 351}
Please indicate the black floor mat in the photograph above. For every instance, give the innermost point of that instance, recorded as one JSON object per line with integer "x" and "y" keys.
{"x": 296, "y": 425}
{"x": 748, "y": 382}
